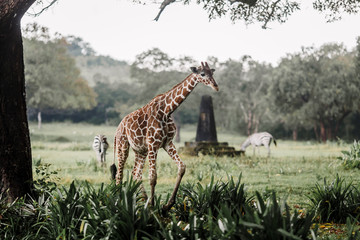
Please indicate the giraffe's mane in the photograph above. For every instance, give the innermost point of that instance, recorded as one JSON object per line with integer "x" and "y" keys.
{"x": 164, "y": 94}
{"x": 178, "y": 84}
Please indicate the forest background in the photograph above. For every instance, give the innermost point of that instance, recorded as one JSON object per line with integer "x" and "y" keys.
{"x": 310, "y": 94}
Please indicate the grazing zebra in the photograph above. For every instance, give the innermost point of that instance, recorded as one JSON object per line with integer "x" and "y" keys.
{"x": 100, "y": 145}
{"x": 259, "y": 139}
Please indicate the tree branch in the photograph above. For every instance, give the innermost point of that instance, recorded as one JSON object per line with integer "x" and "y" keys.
{"x": 52, "y": 2}
{"x": 251, "y": 3}
{"x": 270, "y": 14}
{"x": 164, "y": 4}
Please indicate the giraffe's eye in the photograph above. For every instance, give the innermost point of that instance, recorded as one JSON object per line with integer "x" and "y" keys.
{"x": 203, "y": 74}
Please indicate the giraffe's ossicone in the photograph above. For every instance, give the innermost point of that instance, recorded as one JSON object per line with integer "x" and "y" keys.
{"x": 151, "y": 127}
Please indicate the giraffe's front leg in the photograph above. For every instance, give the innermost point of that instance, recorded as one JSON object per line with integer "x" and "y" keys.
{"x": 171, "y": 150}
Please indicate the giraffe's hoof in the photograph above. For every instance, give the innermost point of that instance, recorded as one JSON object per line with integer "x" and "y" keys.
{"x": 167, "y": 207}
{"x": 165, "y": 210}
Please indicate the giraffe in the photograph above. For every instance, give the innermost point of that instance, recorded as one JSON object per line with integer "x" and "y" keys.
{"x": 151, "y": 127}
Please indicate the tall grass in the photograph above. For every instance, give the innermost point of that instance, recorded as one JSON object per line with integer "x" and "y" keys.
{"x": 335, "y": 201}
{"x": 218, "y": 210}
{"x": 293, "y": 171}
{"x": 351, "y": 159}
{"x": 81, "y": 211}
{"x": 293, "y": 168}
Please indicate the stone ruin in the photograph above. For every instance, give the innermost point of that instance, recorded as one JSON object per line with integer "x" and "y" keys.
{"x": 206, "y": 141}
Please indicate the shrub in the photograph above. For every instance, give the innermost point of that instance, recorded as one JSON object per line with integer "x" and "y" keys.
{"x": 204, "y": 200}
{"x": 110, "y": 212}
{"x": 45, "y": 180}
{"x": 262, "y": 219}
{"x": 80, "y": 212}
{"x": 224, "y": 211}
{"x": 352, "y": 232}
{"x": 351, "y": 159}
{"x": 335, "y": 201}
{"x": 266, "y": 219}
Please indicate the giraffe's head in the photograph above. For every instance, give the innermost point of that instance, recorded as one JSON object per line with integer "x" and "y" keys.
{"x": 205, "y": 75}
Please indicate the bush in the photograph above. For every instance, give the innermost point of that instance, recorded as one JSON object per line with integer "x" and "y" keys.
{"x": 219, "y": 210}
{"x": 256, "y": 220}
{"x": 224, "y": 211}
{"x": 18, "y": 219}
{"x": 266, "y": 219}
{"x": 334, "y": 202}
{"x": 209, "y": 199}
{"x": 351, "y": 159}
{"x": 80, "y": 212}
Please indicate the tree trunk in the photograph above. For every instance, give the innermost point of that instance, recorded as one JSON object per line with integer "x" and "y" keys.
{"x": 249, "y": 123}
{"x": 329, "y": 133}
{"x": 322, "y": 132}
{"x": 294, "y": 134}
{"x": 15, "y": 152}
{"x": 39, "y": 120}
{"x": 340, "y": 120}
{"x": 316, "y": 132}
{"x": 257, "y": 123}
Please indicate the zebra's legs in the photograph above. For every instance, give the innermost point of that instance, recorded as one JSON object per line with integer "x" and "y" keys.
{"x": 98, "y": 157}
{"x": 138, "y": 170}
{"x": 171, "y": 150}
{"x": 268, "y": 148}
{"x": 122, "y": 146}
{"x": 103, "y": 159}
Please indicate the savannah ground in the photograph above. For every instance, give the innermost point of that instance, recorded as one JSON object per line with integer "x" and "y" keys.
{"x": 292, "y": 170}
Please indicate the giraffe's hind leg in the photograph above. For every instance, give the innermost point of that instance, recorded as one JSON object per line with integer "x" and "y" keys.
{"x": 152, "y": 155}
{"x": 122, "y": 147}
{"x": 171, "y": 150}
{"x": 138, "y": 170}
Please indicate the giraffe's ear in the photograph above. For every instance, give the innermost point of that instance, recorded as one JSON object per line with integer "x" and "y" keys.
{"x": 194, "y": 70}
{"x": 212, "y": 70}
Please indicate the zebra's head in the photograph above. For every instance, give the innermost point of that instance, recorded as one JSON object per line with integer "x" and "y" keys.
{"x": 205, "y": 75}
{"x": 245, "y": 144}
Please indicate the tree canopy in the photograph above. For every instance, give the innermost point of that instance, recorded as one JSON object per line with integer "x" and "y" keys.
{"x": 267, "y": 11}
{"x": 53, "y": 81}
{"x": 317, "y": 88}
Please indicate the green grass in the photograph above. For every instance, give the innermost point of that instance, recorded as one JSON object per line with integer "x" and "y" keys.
{"x": 292, "y": 169}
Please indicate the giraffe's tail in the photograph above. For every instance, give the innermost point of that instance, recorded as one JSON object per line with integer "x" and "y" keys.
{"x": 113, "y": 169}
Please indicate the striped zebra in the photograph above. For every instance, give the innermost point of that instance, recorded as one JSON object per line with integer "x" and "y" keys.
{"x": 100, "y": 145}
{"x": 259, "y": 139}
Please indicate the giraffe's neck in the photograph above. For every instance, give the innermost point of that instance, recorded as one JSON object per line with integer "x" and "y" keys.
{"x": 175, "y": 96}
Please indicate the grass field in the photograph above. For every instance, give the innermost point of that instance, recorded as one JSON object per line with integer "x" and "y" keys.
{"x": 292, "y": 169}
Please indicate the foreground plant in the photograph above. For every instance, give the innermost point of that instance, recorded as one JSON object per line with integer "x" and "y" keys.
{"x": 203, "y": 200}
{"x": 351, "y": 159}
{"x": 225, "y": 211}
{"x": 335, "y": 201}
{"x": 219, "y": 210}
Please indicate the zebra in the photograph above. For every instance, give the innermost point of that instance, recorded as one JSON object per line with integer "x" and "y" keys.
{"x": 100, "y": 145}
{"x": 259, "y": 139}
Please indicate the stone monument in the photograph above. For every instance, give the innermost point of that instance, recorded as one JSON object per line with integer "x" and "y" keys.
{"x": 206, "y": 138}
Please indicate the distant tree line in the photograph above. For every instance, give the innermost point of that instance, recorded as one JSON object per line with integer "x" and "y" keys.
{"x": 311, "y": 94}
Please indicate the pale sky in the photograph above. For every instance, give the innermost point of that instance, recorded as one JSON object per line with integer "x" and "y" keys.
{"x": 122, "y": 30}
